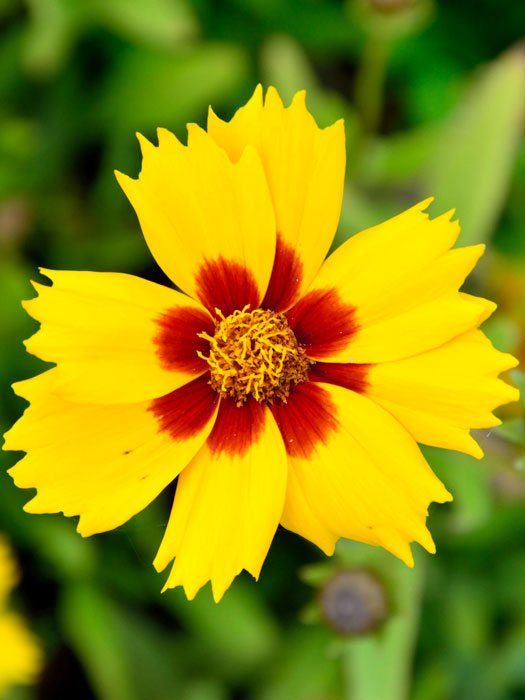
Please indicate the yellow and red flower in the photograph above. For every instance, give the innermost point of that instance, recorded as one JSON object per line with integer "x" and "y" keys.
{"x": 279, "y": 388}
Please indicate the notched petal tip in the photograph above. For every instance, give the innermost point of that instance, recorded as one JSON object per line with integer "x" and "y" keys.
{"x": 143, "y": 141}
{"x": 167, "y": 138}
{"x": 421, "y": 206}
{"x": 300, "y": 98}
{"x": 125, "y": 181}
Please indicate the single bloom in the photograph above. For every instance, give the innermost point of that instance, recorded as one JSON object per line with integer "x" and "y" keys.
{"x": 278, "y": 387}
{"x": 21, "y": 657}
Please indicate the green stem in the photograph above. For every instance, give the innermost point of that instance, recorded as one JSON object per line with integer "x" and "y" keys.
{"x": 378, "y": 667}
{"x": 370, "y": 80}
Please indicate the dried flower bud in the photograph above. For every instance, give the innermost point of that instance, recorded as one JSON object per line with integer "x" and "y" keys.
{"x": 353, "y": 602}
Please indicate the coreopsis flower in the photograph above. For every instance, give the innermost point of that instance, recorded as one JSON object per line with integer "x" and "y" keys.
{"x": 277, "y": 387}
{"x": 20, "y": 660}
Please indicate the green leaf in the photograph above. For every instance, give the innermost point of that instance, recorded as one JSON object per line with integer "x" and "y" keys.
{"x": 468, "y": 479}
{"x": 285, "y": 65}
{"x": 474, "y": 157}
{"x": 147, "y": 88}
{"x": 50, "y": 35}
{"x": 513, "y": 431}
{"x": 90, "y": 624}
{"x": 518, "y": 377}
{"x": 158, "y": 23}
{"x": 304, "y": 669}
{"x": 239, "y": 632}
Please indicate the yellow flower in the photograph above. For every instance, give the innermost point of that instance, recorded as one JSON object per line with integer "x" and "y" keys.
{"x": 281, "y": 388}
{"x": 20, "y": 659}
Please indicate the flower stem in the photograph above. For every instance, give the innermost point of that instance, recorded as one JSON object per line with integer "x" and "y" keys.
{"x": 370, "y": 79}
{"x": 378, "y": 666}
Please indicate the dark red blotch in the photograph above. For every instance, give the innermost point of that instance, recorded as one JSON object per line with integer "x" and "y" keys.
{"x": 226, "y": 285}
{"x": 322, "y": 322}
{"x": 286, "y": 277}
{"x": 177, "y": 341}
{"x": 350, "y": 376}
{"x": 185, "y": 412}
{"x": 307, "y": 419}
{"x": 237, "y": 428}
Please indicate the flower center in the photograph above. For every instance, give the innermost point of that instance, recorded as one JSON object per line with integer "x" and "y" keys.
{"x": 254, "y": 353}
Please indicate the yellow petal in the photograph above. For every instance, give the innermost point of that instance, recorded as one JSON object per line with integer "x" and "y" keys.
{"x": 304, "y": 166}
{"x": 439, "y": 395}
{"x": 105, "y": 463}
{"x": 116, "y": 338}
{"x": 208, "y": 222}
{"x": 354, "y": 472}
{"x": 228, "y": 502}
{"x": 390, "y": 292}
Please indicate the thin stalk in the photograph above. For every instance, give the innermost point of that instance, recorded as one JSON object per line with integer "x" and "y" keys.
{"x": 378, "y": 667}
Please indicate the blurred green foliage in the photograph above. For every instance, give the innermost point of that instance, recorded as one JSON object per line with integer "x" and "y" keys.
{"x": 433, "y": 101}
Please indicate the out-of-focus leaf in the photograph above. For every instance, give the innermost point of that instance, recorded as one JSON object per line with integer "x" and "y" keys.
{"x": 10, "y": 61}
{"x": 285, "y": 66}
{"x": 393, "y": 160}
{"x": 357, "y": 214}
{"x": 503, "y": 332}
{"x": 59, "y": 545}
{"x": 468, "y": 480}
{"x": 150, "y": 88}
{"x": 359, "y": 211}
{"x": 7, "y": 6}
{"x": 158, "y": 23}
{"x": 18, "y": 147}
{"x": 473, "y": 160}
{"x": 304, "y": 669}
{"x": 93, "y": 628}
{"x": 239, "y": 632}
{"x": 156, "y": 668}
{"x": 513, "y": 431}
{"x": 433, "y": 682}
{"x": 50, "y": 34}
{"x": 518, "y": 377}
{"x": 15, "y": 326}
{"x": 204, "y": 689}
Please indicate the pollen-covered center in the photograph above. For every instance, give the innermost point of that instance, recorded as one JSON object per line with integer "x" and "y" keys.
{"x": 254, "y": 353}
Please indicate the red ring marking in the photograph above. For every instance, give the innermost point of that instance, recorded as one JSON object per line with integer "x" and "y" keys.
{"x": 307, "y": 419}
{"x": 237, "y": 428}
{"x": 287, "y": 275}
{"x": 185, "y": 412}
{"x": 350, "y": 376}
{"x": 177, "y": 342}
{"x": 322, "y": 322}
{"x": 226, "y": 285}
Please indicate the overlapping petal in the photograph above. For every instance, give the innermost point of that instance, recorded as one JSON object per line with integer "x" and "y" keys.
{"x": 104, "y": 462}
{"x": 228, "y": 502}
{"x": 244, "y": 215}
{"x": 344, "y": 481}
{"x": 304, "y": 166}
{"x": 441, "y": 394}
{"x": 116, "y": 338}
{"x": 208, "y": 222}
{"x": 390, "y": 292}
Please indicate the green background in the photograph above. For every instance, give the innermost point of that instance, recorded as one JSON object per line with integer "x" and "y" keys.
{"x": 432, "y": 94}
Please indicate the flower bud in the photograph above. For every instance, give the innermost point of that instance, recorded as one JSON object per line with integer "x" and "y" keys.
{"x": 353, "y": 602}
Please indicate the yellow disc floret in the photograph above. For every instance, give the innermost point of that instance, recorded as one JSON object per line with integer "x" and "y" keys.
{"x": 254, "y": 353}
